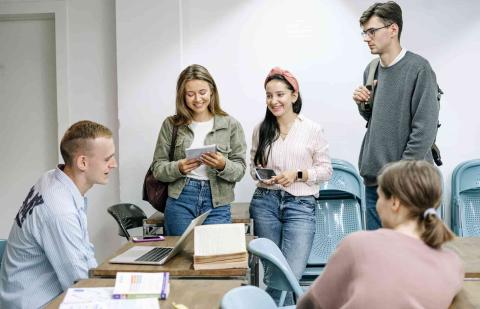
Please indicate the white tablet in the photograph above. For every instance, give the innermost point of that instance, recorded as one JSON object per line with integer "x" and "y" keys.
{"x": 195, "y": 153}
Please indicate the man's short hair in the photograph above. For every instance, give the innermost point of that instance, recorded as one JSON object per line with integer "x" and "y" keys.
{"x": 390, "y": 12}
{"x": 77, "y": 136}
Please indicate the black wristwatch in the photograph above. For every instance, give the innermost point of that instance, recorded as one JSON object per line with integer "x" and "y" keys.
{"x": 299, "y": 175}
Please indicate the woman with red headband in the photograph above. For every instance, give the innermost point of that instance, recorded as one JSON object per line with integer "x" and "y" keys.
{"x": 283, "y": 207}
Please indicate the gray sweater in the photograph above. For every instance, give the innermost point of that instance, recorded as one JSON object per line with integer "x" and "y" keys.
{"x": 403, "y": 123}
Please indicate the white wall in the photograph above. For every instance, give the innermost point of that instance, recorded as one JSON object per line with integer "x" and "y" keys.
{"x": 147, "y": 48}
{"x": 319, "y": 41}
{"x": 28, "y": 108}
{"x": 92, "y": 94}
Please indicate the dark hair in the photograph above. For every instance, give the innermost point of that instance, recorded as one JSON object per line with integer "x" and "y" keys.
{"x": 418, "y": 186}
{"x": 390, "y": 13}
{"x": 183, "y": 114}
{"x": 77, "y": 136}
{"x": 269, "y": 129}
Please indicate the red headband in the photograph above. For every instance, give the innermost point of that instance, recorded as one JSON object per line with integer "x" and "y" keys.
{"x": 287, "y": 75}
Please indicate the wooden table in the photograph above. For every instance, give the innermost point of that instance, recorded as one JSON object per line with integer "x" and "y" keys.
{"x": 191, "y": 293}
{"x": 468, "y": 248}
{"x": 469, "y": 296}
{"x": 240, "y": 214}
{"x": 180, "y": 266}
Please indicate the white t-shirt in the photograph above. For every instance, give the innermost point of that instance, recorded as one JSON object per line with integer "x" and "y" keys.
{"x": 200, "y": 131}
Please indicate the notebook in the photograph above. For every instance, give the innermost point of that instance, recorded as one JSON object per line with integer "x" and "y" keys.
{"x": 151, "y": 255}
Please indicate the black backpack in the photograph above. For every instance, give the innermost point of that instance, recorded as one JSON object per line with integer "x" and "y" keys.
{"x": 367, "y": 106}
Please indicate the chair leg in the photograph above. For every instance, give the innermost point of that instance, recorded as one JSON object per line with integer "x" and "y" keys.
{"x": 282, "y": 298}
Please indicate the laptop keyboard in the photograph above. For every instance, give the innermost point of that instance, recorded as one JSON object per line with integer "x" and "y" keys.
{"x": 154, "y": 255}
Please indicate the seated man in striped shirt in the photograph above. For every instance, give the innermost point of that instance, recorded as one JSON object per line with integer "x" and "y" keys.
{"x": 48, "y": 247}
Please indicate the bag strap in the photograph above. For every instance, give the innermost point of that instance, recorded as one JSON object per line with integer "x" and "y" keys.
{"x": 371, "y": 76}
{"x": 172, "y": 144}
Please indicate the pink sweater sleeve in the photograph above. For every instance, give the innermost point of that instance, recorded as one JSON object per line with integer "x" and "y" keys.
{"x": 330, "y": 290}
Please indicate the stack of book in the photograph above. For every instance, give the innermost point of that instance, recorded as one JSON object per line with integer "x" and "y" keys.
{"x": 141, "y": 285}
{"x": 220, "y": 246}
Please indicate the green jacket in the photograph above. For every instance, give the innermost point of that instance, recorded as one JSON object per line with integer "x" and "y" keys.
{"x": 227, "y": 134}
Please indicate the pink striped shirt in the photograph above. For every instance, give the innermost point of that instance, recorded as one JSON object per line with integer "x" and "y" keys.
{"x": 304, "y": 148}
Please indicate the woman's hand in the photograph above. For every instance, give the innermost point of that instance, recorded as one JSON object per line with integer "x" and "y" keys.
{"x": 286, "y": 178}
{"x": 185, "y": 166}
{"x": 214, "y": 160}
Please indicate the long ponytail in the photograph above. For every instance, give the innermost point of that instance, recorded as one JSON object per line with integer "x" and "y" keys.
{"x": 433, "y": 231}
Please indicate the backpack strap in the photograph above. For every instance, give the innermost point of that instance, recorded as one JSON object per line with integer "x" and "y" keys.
{"x": 371, "y": 76}
{"x": 372, "y": 70}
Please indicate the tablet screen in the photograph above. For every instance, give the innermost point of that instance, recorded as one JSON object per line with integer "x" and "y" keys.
{"x": 265, "y": 173}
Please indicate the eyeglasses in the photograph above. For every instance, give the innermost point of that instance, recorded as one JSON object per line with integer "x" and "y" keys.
{"x": 371, "y": 32}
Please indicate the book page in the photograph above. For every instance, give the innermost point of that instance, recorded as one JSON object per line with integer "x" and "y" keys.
{"x": 218, "y": 239}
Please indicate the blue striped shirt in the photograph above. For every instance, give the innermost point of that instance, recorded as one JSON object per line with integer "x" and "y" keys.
{"x": 48, "y": 247}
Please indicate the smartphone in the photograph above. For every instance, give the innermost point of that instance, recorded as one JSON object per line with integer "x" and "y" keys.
{"x": 264, "y": 173}
{"x": 147, "y": 239}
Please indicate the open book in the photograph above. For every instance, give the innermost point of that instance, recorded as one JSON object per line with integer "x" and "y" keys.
{"x": 220, "y": 246}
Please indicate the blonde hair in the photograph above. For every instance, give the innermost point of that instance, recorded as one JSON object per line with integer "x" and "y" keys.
{"x": 195, "y": 72}
{"x": 418, "y": 186}
{"x": 77, "y": 136}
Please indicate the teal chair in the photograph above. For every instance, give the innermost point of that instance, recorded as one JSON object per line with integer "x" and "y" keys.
{"x": 277, "y": 272}
{"x": 465, "y": 199}
{"x": 248, "y": 297}
{"x": 340, "y": 211}
{"x": 3, "y": 244}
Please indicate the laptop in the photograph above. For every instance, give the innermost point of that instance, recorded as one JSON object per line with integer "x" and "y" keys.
{"x": 151, "y": 255}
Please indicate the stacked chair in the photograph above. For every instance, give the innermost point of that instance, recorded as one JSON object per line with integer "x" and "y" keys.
{"x": 465, "y": 199}
{"x": 340, "y": 211}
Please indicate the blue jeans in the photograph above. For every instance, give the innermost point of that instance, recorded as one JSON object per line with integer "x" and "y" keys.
{"x": 195, "y": 199}
{"x": 289, "y": 221}
{"x": 371, "y": 197}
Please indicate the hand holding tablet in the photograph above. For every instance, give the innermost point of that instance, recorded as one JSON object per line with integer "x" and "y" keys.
{"x": 264, "y": 174}
{"x": 196, "y": 153}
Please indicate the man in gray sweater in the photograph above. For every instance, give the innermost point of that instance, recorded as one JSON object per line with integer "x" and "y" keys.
{"x": 403, "y": 121}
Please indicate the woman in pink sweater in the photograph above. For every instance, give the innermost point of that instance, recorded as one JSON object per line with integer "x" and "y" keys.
{"x": 402, "y": 265}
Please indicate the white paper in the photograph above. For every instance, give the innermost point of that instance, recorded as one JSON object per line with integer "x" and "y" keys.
{"x": 142, "y": 303}
{"x": 195, "y": 153}
{"x": 85, "y": 295}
